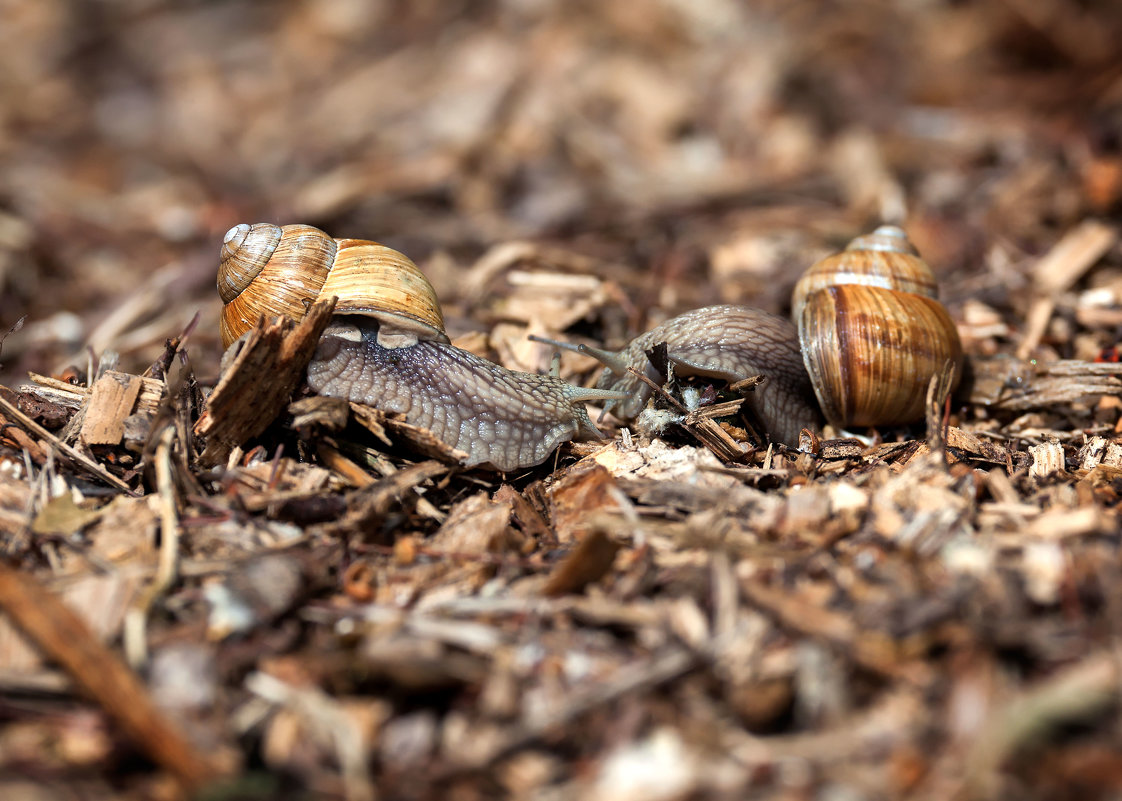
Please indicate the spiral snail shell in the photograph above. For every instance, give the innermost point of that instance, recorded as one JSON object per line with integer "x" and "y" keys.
{"x": 273, "y": 270}
{"x": 386, "y": 345}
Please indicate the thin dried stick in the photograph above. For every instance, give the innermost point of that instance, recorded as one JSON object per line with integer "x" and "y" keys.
{"x": 61, "y": 635}
{"x": 136, "y": 622}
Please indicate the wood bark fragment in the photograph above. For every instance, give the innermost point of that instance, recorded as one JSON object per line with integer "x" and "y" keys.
{"x": 81, "y": 459}
{"x": 589, "y": 560}
{"x": 259, "y": 381}
{"x": 1047, "y": 459}
{"x": 112, "y": 399}
{"x": 1007, "y": 384}
{"x": 367, "y": 506}
{"x": 1060, "y": 268}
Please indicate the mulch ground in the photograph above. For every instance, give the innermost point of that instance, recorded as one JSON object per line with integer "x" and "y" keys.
{"x": 300, "y": 599}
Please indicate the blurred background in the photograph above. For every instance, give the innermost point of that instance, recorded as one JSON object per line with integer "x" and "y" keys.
{"x": 685, "y": 151}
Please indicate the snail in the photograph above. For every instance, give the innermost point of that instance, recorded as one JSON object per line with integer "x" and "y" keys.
{"x": 870, "y": 334}
{"x": 386, "y": 345}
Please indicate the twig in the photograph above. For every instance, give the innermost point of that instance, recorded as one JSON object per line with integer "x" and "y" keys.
{"x": 659, "y": 390}
{"x": 159, "y": 368}
{"x": 64, "y": 637}
{"x": 938, "y": 397}
{"x": 136, "y": 621}
{"x": 16, "y": 326}
{"x": 700, "y": 422}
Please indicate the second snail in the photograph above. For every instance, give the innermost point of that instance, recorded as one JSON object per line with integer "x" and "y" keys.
{"x": 870, "y": 334}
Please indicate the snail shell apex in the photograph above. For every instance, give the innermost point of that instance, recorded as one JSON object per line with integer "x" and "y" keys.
{"x": 872, "y": 331}
{"x": 885, "y": 259}
{"x": 246, "y": 249}
{"x": 280, "y": 270}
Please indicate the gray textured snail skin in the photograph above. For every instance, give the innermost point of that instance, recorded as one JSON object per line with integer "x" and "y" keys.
{"x": 501, "y": 418}
{"x": 386, "y": 346}
{"x": 723, "y": 342}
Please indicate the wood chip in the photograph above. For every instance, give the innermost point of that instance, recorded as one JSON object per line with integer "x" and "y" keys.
{"x": 589, "y": 561}
{"x": 1017, "y": 385}
{"x": 1047, "y": 459}
{"x": 260, "y": 380}
{"x": 111, "y": 401}
{"x": 1060, "y": 268}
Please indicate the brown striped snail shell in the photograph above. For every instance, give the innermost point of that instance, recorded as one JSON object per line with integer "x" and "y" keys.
{"x": 386, "y": 345}
{"x": 872, "y": 331}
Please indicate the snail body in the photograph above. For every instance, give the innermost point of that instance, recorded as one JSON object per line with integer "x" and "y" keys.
{"x": 499, "y": 417}
{"x": 386, "y": 345}
{"x": 724, "y": 342}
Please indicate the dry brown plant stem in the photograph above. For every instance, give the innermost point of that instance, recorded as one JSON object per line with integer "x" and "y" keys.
{"x": 63, "y": 637}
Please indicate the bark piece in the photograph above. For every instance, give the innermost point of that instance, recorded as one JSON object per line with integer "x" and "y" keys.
{"x": 580, "y": 499}
{"x": 1016, "y": 385}
{"x": 476, "y": 525}
{"x": 1060, "y": 268}
{"x": 589, "y": 561}
{"x": 111, "y": 401}
{"x": 16, "y": 416}
{"x": 258, "y": 383}
{"x": 1047, "y": 459}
